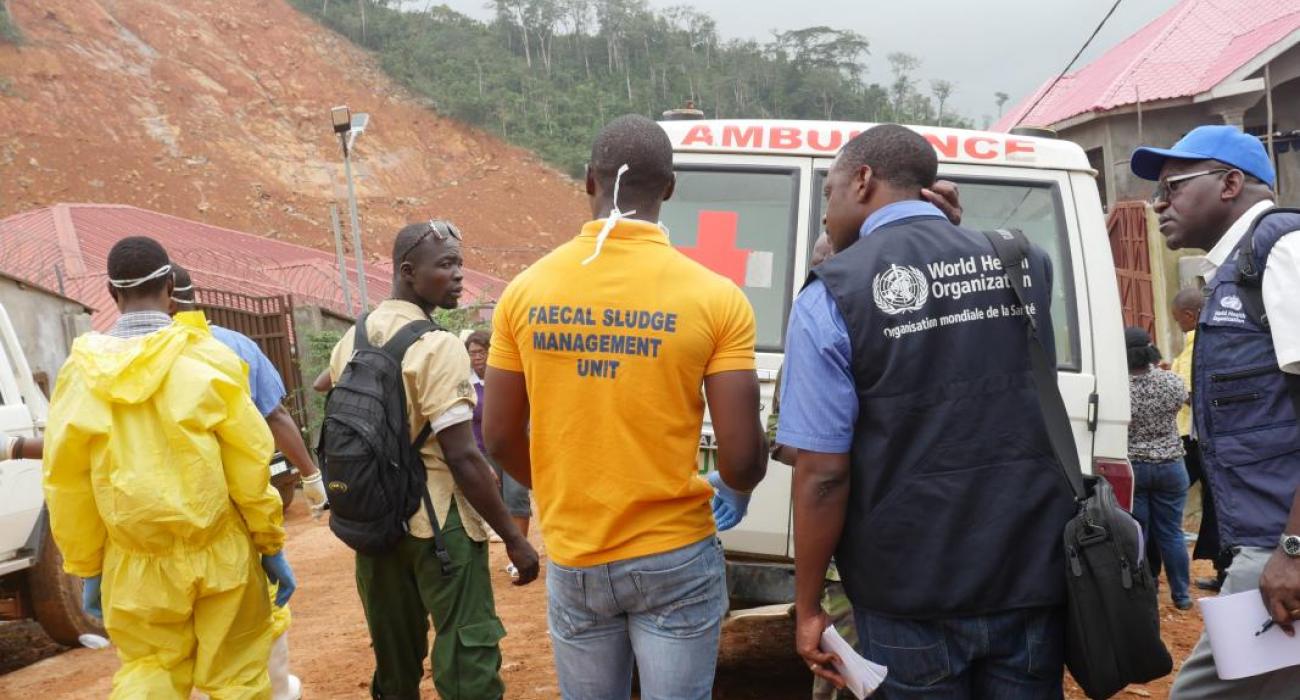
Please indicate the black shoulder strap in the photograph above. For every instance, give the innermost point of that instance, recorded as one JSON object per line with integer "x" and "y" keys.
{"x": 1012, "y": 249}
{"x": 360, "y": 339}
{"x": 406, "y": 336}
{"x": 396, "y": 347}
{"x": 1250, "y": 289}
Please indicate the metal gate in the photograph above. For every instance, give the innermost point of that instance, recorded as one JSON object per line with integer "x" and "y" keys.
{"x": 269, "y": 322}
{"x": 1127, "y": 228}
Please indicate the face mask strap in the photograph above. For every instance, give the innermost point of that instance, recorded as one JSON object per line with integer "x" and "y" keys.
{"x": 614, "y": 215}
{"x": 128, "y": 284}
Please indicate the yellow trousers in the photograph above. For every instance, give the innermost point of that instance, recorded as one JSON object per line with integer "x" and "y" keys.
{"x": 189, "y": 620}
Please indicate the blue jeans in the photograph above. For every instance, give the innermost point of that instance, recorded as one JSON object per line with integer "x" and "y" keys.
{"x": 1014, "y": 655}
{"x": 1159, "y": 492}
{"x": 665, "y": 609}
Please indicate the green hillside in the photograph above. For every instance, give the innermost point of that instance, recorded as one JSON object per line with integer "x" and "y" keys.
{"x": 547, "y": 73}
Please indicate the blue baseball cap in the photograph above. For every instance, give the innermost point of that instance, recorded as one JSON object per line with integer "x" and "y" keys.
{"x": 1226, "y": 144}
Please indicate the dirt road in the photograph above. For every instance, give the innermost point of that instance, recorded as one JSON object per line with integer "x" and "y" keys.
{"x": 330, "y": 651}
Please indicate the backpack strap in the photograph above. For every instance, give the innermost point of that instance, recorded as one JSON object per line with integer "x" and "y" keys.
{"x": 1250, "y": 289}
{"x": 360, "y": 339}
{"x": 396, "y": 348}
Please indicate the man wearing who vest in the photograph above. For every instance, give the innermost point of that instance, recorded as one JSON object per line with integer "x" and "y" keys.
{"x": 924, "y": 464}
{"x": 1214, "y": 192}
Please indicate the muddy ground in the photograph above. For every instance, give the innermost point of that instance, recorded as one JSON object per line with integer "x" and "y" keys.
{"x": 330, "y": 650}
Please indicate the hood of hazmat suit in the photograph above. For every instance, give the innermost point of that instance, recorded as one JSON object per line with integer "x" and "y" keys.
{"x": 156, "y": 475}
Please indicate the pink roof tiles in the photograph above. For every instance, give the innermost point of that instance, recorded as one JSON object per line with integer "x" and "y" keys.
{"x": 1185, "y": 52}
{"x": 65, "y": 247}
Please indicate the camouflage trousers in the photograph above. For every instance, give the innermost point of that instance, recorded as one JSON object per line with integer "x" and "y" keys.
{"x": 836, "y": 604}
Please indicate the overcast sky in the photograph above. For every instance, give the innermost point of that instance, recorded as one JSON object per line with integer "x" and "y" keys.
{"x": 984, "y": 46}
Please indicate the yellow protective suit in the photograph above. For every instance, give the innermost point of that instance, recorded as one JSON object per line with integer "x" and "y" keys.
{"x": 155, "y": 475}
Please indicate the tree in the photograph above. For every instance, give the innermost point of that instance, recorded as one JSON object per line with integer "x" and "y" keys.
{"x": 1001, "y": 98}
{"x": 942, "y": 90}
{"x": 506, "y": 76}
{"x": 901, "y": 65}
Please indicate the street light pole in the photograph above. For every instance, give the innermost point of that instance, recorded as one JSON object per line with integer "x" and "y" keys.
{"x": 349, "y": 127}
{"x": 338, "y": 254}
{"x": 356, "y": 229}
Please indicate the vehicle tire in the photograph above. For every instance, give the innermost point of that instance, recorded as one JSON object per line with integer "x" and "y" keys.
{"x": 287, "y": 485}
{"x": 56, "y": 597}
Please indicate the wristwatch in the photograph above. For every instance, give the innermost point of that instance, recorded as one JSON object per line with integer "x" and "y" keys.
{"x": 1291, "y": 546}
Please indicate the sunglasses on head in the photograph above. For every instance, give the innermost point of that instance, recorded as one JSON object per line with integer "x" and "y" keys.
{"x": 440, "y": 230}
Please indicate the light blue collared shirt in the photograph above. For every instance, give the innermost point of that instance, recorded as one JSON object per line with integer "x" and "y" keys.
{"x": 819, "y": 401}
{"x": 263, "y": 380}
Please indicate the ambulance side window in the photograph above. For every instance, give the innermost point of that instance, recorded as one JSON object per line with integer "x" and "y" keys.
{"x": 740, "y": 223}
{"x": 1032, "y": 207}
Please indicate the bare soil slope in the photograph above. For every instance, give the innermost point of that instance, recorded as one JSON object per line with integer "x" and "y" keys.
{"x": 219, "y": 111}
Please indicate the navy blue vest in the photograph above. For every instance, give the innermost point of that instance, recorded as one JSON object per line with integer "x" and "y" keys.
{"x": 1245, "y": 420}
{"x": 956, "y": 503}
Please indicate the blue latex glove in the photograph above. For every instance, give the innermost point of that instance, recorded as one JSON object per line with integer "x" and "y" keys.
{"x": 729, "y": 505}
{"x": 90, "y": 596}
{"x": 278, "y": 571}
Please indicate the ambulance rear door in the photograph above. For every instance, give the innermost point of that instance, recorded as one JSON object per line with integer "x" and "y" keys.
{"x": 747, "y": 217}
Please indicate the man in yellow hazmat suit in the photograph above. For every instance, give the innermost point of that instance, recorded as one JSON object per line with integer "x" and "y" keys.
{"x": 156, "y": 484}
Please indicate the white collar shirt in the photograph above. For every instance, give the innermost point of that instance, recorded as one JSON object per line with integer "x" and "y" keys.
{"x": 1280, "y": 286}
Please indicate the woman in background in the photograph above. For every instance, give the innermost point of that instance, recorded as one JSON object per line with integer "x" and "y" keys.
{"x": 1156, "y": 451}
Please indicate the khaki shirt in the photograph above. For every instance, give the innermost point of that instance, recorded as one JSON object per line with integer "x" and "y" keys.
{"x": 435, "y": 372}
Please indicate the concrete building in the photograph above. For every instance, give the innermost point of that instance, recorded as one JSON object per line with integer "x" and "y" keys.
{"x": 1202, "y": 62}
{"x": 46, "y": 323}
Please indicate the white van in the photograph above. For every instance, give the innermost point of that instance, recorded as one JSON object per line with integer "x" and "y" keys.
{"x": 748, "y": 204}
{"x": 32, "y": 581}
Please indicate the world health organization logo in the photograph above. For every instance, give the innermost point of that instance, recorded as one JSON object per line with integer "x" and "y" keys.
{"x": 900, "y": 288}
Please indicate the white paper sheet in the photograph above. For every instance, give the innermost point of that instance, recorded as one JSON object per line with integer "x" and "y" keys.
{"x": 862, "y": 676}
{"x": 1231, "y": 622}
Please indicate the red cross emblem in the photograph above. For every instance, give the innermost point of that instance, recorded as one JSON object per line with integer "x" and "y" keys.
{"x": 715, "y": 246}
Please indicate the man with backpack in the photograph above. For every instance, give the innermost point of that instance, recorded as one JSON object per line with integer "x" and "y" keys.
{"x": 397, "y": 447}
{"x": 1215, "y": 192}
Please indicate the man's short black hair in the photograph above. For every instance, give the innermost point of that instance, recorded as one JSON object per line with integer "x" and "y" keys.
{"x": 642, "y": 145}
{"x": 1189, "y": 299}
{"x": 412, "y": 236}
{"x": 895, "y": 154}
{"x": 136, "y": 257}
{"x": 182, "y": 280}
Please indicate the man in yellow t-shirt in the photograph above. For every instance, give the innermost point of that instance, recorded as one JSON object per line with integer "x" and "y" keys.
{"x": 603, "y": 345}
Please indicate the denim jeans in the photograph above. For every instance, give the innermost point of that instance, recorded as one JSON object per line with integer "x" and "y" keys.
{"x": 1159, "y": 492}
{"x": 1014, "y": 655}
{"x": 663, "y": 609}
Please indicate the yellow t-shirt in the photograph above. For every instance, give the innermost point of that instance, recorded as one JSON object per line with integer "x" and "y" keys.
{"x": 614, "y": 354}
{"x": 435, "y": 373}
{"x": 1182, "y": 366}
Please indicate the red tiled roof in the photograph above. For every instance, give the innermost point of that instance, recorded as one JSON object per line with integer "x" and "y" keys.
{"x": 65, "y": 247}
{"x": 1185, "y": 52}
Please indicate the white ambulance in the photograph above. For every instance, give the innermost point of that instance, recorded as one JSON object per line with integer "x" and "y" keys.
{"x": 748, "y": 204}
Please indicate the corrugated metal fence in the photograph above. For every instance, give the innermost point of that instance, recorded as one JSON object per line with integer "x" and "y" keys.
{"x": 269, "y": 322}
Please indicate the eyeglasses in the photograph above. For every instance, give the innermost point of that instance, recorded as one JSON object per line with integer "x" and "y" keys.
{"x": 440, "y": 230}
{"x": 1166, "y": 188}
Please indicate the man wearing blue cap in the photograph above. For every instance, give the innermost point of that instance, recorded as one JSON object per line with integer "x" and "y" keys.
{"x": 1214, "y": 192}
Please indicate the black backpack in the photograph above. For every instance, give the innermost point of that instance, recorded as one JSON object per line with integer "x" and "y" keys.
{"x": 374, "y": 474}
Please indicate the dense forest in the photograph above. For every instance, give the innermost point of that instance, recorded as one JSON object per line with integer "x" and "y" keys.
{"x": 545, "y": 74}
